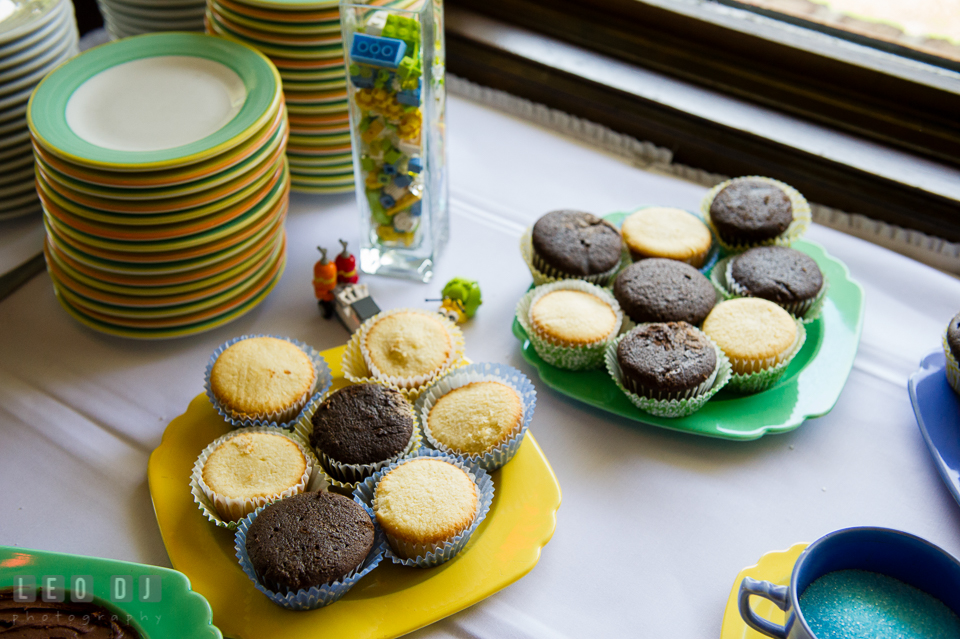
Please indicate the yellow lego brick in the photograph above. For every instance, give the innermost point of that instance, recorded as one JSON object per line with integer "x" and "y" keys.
{"x": 403, "y": 203}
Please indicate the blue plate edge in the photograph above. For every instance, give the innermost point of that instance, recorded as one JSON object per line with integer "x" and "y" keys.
{"x": 930, "y": 361}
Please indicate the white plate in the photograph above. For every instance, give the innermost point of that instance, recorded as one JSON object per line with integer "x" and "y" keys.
{"x": 12, "y": 85}
{"x": 11, "y": 192}
{"x": 15, "y": 177}
{"x": 19, "y": 18}
{"x": 20, "y": 211}
{"x": 40, "y": 52}
{"x": 9, "y": 204}
{"x": 150, "y": 25}
{"x": 15, "y": 138}
{"x": 135, "y": 11}
{"x": 17, "y": 162}
{"x": 15, "y": 151}
{"x": 13, "y": 113}
{"x": 59, "y": 18}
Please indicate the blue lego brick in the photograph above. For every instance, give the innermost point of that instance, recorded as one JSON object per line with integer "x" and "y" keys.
{"x": 389, "y": 169}
{"x": 410, "y": 98}
{"x": 416, "y": 208}
{"x": 403, "y": 181}
{"x": 415, "y": 165}
{"x": 387, "y": 201}
{"x": 377, "y": 51}
{"x": 361, "y": 82}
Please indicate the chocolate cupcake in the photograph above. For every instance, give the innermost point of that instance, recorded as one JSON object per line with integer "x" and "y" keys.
{"x": 755, "y": 211}
{"x": 577, "y": 245}
{"x": 666, "y": 360}
{"x": 780, "y": 274}
{"x": 360, "y": 428}
{"x": 308, "y": 540}
{"x": 663, "y": 290}
{"x": 951, "y": 349}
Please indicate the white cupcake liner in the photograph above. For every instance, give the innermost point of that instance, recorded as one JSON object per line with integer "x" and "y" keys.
{"x": 799, "y": 205}
{"x": 225, "y": 512}
{"x": 421, "y": 555}
{"x": 953, "y": 368}
{"x": 580, "y": 357}
{"x": 670, "y": 405}
{"x": 545, "y": 274}
{"x": 357, "y": 368}
{"x": 805, "y": 311}
{"x": 316, "y": 596}
{"x": 281, "y": 419}
{"x": 713, "y": 253}
{"x": 503, "y": 452}
{"x": 347, "y": 475}
{"x": 768, "y": 371}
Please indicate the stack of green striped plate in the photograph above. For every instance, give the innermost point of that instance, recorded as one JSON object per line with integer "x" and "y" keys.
{"x": 161, "y": 167}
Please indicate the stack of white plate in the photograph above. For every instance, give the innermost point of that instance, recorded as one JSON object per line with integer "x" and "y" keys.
{"x": 35, "y": 37}
{"x": 135, "y": 17}
{"x": 161, "y": 169}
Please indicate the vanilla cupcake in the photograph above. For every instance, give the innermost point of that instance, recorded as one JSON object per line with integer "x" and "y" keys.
{"x": 404, "y": 348}
{"x": 480, "y": 412}
{"x": 249, "y": 468}
{"x": 473, "y": 419}
{"x": 666, "y": 232}
{"x": 759, "y": 338}
{"x": 262, "y": 379}
{"x": 570, "y": 322}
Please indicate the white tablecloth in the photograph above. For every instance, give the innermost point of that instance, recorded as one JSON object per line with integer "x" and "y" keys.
{"x": 654, "y": 524}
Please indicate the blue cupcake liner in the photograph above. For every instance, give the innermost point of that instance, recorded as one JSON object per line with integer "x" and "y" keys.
{"x": 483, "y": 371}
{"x": 316, "y": 596}
{"x": 321, "y": 386}
{"x": 366, "y": 490}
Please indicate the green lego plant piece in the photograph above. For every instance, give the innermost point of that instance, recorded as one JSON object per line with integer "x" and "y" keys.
{"x": 383, "y": 76}
{"x": 465, "y": 291}
{"x": 383, "y": 178}
{"x": 386, "y": 144}
{"x": 409, "y": 71}
{"x": 354, "y": 69}
{"x": 392, "y": 156}
{"x": 364, "y": 124}
{"x": 406, "y": 29}
{"x": 376, "y": 209}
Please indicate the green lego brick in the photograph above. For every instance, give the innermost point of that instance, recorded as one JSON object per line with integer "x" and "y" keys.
{"x": 392, "y": 156}
{"x": 376, "y": 209}
{"x": 406, "y": 29}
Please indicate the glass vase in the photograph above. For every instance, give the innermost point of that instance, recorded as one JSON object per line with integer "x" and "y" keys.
{"x": 395, "y": 85}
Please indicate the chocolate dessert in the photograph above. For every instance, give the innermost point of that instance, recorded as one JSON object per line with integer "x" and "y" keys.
{"x": 362, "y": 424}
{"x": 662, "y": 290}
{"x": 665, "y": 359}
{"x": 41, "y": 619}
{"x": 575, "y": 244}
{"x": 779, "y": 274}
{"x": 308, "y": 540}
{"x": 750, "y": 210}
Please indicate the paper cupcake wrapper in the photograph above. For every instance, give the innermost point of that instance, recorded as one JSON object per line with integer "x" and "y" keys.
{"x": 503, "y": 452}
{"x": 799, "y": 205}
{"x": 350, "y": 474}
{"x": 713, "y": 253}
{"x": 356, "y": 367}
{"x": 316, "y": 596}
{"x": 226, "y": 512}
{"x": 456, "y": 349}
{"x": 570, "y": 357}
{"x": 953, "y": 368}
{"x": 419, "y": 555}
{"x": 282, "y": 419}
{"x": 669, "y": 405}
{"x": 805, "y": 311}
{"x": 545, "y": 274}
{"x": 767, "y": 372}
